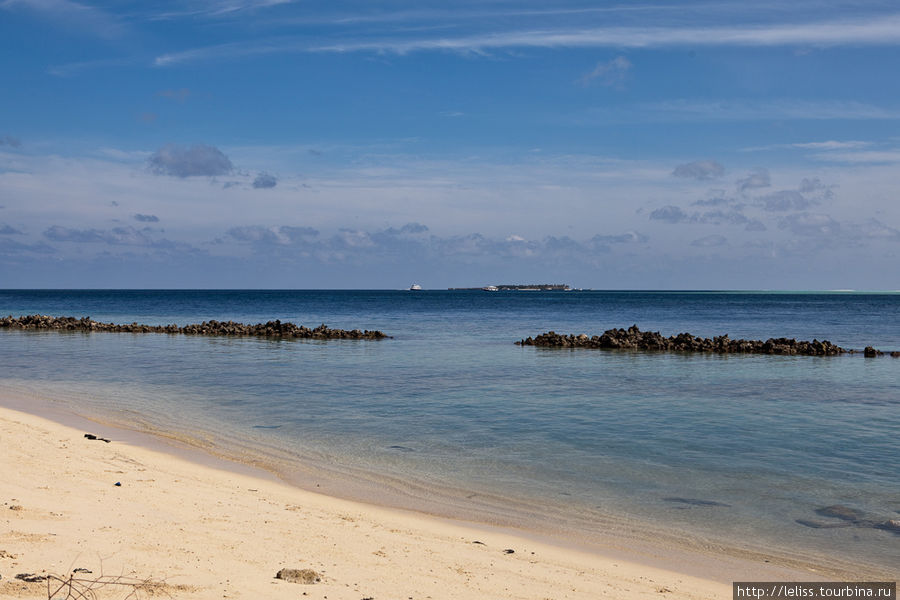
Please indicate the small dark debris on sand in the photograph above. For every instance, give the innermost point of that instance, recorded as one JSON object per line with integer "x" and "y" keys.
{"x": 305, "y": 576}
{"x": 477, "y": 542}
{"x": 31, "y": 577}
{"x": 81, "y": 570}
{"x": 91, "y": 436}
{"x": 16, "y": 507}
{"x": 509, "y": 551}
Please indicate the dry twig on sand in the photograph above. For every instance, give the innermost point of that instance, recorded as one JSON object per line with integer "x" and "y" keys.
{"x": 78, "y": 587}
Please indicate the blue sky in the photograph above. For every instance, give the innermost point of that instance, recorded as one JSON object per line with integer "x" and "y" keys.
{"x": 304, "y": 144}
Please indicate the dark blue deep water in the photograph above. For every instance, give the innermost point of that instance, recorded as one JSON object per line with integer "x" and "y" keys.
{"x": 450, "y": 416}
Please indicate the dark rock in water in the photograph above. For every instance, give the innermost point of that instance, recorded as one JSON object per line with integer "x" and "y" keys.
{"x": 305, "y": 576}
{"x": 275, "y": 329}
{"x": 850, "y": 517}
{"x": 890, "y": 525}
{"x": 870, "y": 352}
{"x": 820, "y": 525}
{"x": 401, "y": 448}
{"x": 895, "y": 354}
{"x": 695, "y": 502}
{"x": 635, "y": 339}
{"x": 839, "y": 511}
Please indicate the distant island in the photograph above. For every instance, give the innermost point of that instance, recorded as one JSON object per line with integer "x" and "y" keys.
{"x": 532, "y": 287}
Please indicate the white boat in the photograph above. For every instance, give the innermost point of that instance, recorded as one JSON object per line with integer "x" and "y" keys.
{"x": 491, "y": 288}
{"x": 415, "y": 287}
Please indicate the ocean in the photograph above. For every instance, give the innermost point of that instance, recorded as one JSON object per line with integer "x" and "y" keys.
{"x": 450, "y": 417}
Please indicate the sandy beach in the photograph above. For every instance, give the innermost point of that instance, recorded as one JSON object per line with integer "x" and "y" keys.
{"x": 136, "y": 520}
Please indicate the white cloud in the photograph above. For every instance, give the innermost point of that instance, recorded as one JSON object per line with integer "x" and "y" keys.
{"x": 265, "y": 181}
{"x": 701, "y": 170}
{"x": 831, "y": 145}
{"x": 75, "y": 68}
{"x": 758, "y": 178}
{"x": 629, "y": 237}
{"x": 882, "y": 30}
{"x": 611, "y": 73}
{"x": 710, "y": 241}
{"x": 669, "y": 214}
{"x": 877, "y": 230}
{"x": 872, "y": 31}
{"x": 785, "y": 200}
{"x": 769, "y": 110}
{"x": 183, "y": 161}
{"x": 72, "y": 16}
{"x": 810, "y": 225}
{"x": 870, "y": 156}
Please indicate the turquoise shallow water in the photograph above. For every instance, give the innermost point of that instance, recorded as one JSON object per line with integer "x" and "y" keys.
{"x": 734, "y": 449}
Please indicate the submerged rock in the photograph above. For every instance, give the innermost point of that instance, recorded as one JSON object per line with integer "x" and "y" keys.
{"x": 890, "y": 525}
{"x": 850, "y": 517}
{"x": 839, "y": 511}
{"x": 821, "y": 525}
{"x": 695, "y": 502}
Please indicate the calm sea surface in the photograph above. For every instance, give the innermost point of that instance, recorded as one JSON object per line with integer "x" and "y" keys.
{"x": 451, "y": 417}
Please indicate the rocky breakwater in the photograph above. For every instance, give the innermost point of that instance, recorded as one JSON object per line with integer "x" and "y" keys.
{"x": 275, "y": 329}
{"x": 635, "y": 339}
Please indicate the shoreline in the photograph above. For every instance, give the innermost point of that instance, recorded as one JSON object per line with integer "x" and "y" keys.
{"x": 610, "y": 534}
{"x": 688, "y": 573}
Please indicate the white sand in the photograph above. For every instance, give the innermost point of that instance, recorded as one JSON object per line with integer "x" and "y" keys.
{"x": 198, "y": 531}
